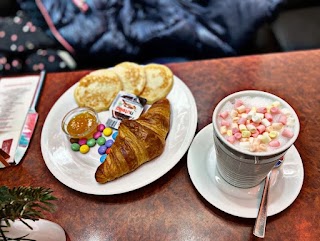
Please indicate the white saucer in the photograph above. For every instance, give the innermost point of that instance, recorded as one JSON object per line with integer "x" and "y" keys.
{"x": 284, "y": 186}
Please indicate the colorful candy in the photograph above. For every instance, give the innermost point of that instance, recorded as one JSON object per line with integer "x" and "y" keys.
{"x": 101, "y": 127}
{"x": 75, "y": 147}
{"x": 109, "y": 143}
{"x": 97, "y": 135}
{"x": 101, "y": 141}
{"x": 91, "y": 142}
{"x": 82, "y": 141}
{"x": 84, "y": 149}
{"x": 74, "y": 140}
{"x": 102, "y": 150}
{"x": 103, "y": 158}
{"x": 107, "y": 131}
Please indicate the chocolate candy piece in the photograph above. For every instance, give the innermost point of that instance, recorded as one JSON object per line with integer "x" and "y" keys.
{"x": 101, "y": 127}
{"x": 74, "y": 140}
{"x": 97, "y": 135}
{"x": 75, "y": 147}
{"x": 102, "y": 150}
{"x": 82, "y": 141}
{"x": 91, "y": 142}
{"x": 84, "y": 149}
{"x": 101, "y": 140}
{"x": 103, "y": 158}
{"x": 109, "y": 143}
{"x": 114, "y": 135}
{"x": 107, "y": 131}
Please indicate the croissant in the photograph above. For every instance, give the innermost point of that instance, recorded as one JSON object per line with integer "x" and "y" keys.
{"x": 138, "y": 142}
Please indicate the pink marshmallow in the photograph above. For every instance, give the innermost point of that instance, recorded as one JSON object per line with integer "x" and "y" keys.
{"x": 283, "y": 119}
{"x": 225, "y": 123}
{"x": 231, "y": 139}
{"x": 237, "y": 135}
{"x": 268, "y": 116}
{"x": 238, "y": 103}
{"x": 224, "y": 114}
{"x": 274, "y": 143}
{"x": 287, "y": 133}
{"x": 242, "y": 121}
{"x": 261, "y": 128}
{"x": 235, "y": 130}
{"x": 274, "y": 110}
{"x": 255, "y": 134}
{"x": 255, "y": 124}
{"x": 262, "y": 110}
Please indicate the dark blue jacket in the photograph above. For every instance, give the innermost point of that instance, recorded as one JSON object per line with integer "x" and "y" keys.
{"x": 127, "y": 28}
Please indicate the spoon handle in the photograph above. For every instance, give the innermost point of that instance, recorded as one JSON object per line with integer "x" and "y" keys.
{"x": 260, "y": 224}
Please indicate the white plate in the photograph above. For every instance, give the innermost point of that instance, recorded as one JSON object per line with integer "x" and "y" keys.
{"x": 285, "y": 185}
{"x": 77, "y": 170}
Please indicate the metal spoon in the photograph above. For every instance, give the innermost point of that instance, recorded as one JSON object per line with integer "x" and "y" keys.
{"x": 261, "y": 220}
{"x": 260, "y": 224}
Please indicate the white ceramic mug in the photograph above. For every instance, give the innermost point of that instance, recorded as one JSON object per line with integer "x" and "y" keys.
{"x": 241, "y": 167}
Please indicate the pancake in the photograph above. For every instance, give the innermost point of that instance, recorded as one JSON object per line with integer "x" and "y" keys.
{"x": 159, "y": 82}
{"x": 132, "y": 77}
{"x": 98, "y": 89}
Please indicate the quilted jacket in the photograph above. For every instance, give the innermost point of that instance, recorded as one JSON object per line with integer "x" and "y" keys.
{"x": 127, "y": 28}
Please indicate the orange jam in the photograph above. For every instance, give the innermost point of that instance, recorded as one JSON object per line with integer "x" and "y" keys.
{"x": 84, "y": 123}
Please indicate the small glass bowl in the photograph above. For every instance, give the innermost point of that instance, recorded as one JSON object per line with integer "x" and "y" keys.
{"x": 89, "y": 127}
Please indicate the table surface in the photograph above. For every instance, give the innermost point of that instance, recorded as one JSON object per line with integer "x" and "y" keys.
{"x": 171, "y": 208}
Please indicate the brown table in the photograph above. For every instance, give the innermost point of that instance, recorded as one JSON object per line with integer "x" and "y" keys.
{"x": 171, "y": 208}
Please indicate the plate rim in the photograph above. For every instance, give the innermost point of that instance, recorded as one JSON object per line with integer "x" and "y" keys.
{"x": 177, "y": 157}
{"x": 194, "y": 178}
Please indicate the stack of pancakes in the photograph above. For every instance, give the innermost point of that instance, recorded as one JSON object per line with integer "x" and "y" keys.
{"x": 99, "y": 88}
